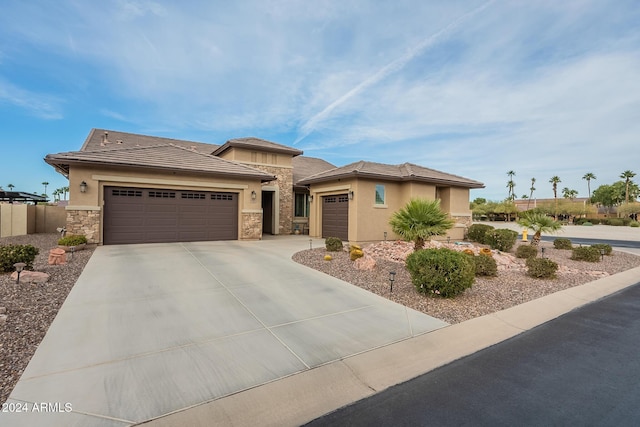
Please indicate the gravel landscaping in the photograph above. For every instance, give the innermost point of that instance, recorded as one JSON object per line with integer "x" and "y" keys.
{"x": 487, "y": 295}
{"x": 30, "y": 308}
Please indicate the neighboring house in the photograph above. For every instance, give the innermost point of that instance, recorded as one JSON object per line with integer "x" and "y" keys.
{"x": 128, "y": 188}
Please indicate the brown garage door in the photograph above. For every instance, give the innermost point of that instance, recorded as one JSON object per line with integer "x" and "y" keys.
{"x": 144, "y": 215}
{"x": 335, "y": 216}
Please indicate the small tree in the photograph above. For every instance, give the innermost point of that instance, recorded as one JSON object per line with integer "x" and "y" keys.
{"x": 539, "y": 223}
{"x": 419, "y": 220}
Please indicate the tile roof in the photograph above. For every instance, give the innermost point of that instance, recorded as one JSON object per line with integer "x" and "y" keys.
{"x": 162, "y": 156}
{"x": 257, "y": 143}
{"x": 403, "y": 172}
{"x": 116, "y": 140}
{"x": 306, "y": 166}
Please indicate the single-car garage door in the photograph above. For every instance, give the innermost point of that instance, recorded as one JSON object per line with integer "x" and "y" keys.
{"x": 335, "y": 216}
{"x": 149, "y": 215}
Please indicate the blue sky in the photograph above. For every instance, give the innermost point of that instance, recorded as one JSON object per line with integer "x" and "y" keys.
{"x": 469, "y": 87}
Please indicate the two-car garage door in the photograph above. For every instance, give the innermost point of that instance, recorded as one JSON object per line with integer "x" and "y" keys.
{"x": 139, "y": 215}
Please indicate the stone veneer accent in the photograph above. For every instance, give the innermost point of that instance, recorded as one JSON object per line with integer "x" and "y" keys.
{"x": 251, "y": 226}
{"x": 285, "y": 184}
{"x": 84, "y": 222}
{"x": 466, "y": 220}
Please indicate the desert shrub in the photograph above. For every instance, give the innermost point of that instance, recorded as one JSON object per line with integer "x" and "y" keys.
{"x": 617, "y": 222}
{"x": 441, "y": 271}
{"x": 333, "y": 244}
{"x": 607, "y": 248}
{"x": 72, "y": 240}
{"x": 594, "y": 221}
{"x": 477, "y": 232}
{"x": 579, "y": 221}
{"x": 587, "y": 223}
{"x": 526, "y": 251}
{"x": 562, "y": 243}
{"x": 502, "y": 240}
{"x": 586, "y": 253}
{"x": 634, "y": 224}
{"x": 11, "y": 254}
{"x": 541, "y": 268}
{"x": 626, "y": 221}
{"x": 485, "y": 265}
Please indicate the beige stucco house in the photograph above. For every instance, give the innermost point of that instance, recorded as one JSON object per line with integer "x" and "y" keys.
{"x": 129, "y": 188}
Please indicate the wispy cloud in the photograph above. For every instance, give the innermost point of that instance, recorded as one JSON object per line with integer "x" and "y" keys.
{"x": 39, "y": 105}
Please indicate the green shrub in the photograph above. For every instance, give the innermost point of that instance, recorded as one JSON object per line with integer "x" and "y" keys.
{"x": 354, "y": 254}
{"x": 541, "y": 268}
{"x": 485, "y": 265}
{"x": 634, "y": 224}
{"x": 604, "y": 221}
{"x": 72, "y": 240}
{"x": 607, "y": 248}
{"x": 579, "y": 221}
{"x": 526, "y": 251}
{"x": 626, "y": 221}
{"x": 333, "y": 244}
{"x": 586, "y": 253}
{"x": 11, "y": 254}
{"x": 476, "y": 232}
{"x": 616, "y": 222}
{"x": 502, "y": 240}
{"x": 594, "y": 221}
{"x": 562, "y": 243}
{"x": 587, "y": 223}
{"x": 441, "y": 271}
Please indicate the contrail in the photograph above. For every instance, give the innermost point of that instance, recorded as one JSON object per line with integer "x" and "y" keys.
{"x": 310, "y": 125}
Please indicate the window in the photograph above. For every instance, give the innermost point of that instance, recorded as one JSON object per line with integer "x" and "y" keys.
{"x": 380, "y": 194}
{"x": 301, "y": 207}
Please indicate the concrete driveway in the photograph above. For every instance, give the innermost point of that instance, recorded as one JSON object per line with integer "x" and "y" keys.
{"x": 149, "y": 330}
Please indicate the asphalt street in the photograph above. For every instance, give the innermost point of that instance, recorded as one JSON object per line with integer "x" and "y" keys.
{"x": 590, "y": 241}
{"x": 580, "y": 369}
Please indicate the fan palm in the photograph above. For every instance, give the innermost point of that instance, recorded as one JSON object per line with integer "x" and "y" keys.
{"x": 539, "y": 223}
{"x": 419, "y": 220}
{"x": 627, "y": 175}
{"x": 589, "y": 176}
{"x": 555, "y": 180}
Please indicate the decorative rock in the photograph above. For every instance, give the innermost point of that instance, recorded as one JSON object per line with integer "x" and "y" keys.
{"x": 365, "y": 263}
{"x": 57, "y": 256}
{"x": 3, "y": 310}
{"x": 31, "y": 276}
{"x": 3, "y": 319}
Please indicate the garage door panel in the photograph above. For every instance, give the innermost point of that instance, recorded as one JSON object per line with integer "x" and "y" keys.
{"x": 335, "y": 216}
{"x": 150, "y": 215}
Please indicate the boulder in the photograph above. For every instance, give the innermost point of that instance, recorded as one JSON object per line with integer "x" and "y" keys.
{"x": 57, "y": 256}
{"x": 31, "y": 276}
{"x": 365, "y": 263}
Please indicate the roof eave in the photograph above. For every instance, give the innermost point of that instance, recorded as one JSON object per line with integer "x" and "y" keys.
{"x": 365, "y": 175}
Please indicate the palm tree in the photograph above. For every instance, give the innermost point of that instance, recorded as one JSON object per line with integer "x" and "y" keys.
{"x": 511, "y": 185}
{"x": 539, "y": 223}
{"x": 627, "y": 175}
{"x": 533, "y": 181}
{"x": 419, "y": 220}
{"x": 589, "y": 176}
{"x": 555, "y": 180}
{"x": 45, "y": 183}
{"x": 10, "y": 187}
{"x": 65, "y": 191}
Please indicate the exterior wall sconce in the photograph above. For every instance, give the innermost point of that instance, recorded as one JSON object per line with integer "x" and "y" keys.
{"x": 83, "y": 187}
{"x": 311, "y": 198}
{"x": 392, "y": 278}
{"x": 19, "y": 267}
{"x": 350, "y": 195}
{"x": 253, "y": 194}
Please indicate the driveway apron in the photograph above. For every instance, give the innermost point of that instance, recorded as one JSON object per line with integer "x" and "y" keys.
{"x": 153, "y": 329}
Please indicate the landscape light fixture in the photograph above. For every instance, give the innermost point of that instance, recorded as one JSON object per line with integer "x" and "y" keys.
{"x": 601, "y": 254}
{"x": 83, "y": 187}
{"x": 392, "y": 278}
{"x": 253, "y": 194}
{"x": 72, "y": 249}
{"x": 448, "y": 239}
{"x": 385, "y": 236}
{"x": 19, "y": 267}
{"x": 310, "y": 243}
{"x": 542, "y": 249}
